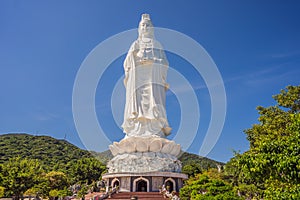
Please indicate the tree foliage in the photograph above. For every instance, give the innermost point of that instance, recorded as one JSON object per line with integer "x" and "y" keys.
{"x": 57, "y": 180}
{"x": 60, "y": 165}
{"x": 85, "y": 170}
{"x": 28, "y": 177}
{"x": 208, "y": 185}
{"x": 52, "y": 153}
{"x": 272, "y": 162}
{"x": 192, "y": 169}
{"x": 55, "y": 193}
{"x": 2, "y": 189}
{"x": 198, "y": 162}
{"x": 51, "y": 181}
{"x": 270, "y": 169}
{"x": 18, "y": 175}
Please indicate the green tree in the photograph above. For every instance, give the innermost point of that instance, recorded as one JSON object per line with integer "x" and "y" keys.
{"x": 83, "y": 191}
{"x": 85, "y": 170}
{"x": 272, "y": 162}
{"x": 64, "y": 192}
{"x": 52, "y": 181}
{"x": 2, "y": 189}
{"x": 19, "y": 175}
{"x": 57, "y": 180}
{"x": 192, "y": 169}
{"x": 32, "y": 192}
{"x": 208, "y": 185}
{"x": 53, "y": 194}
{"x": 248, "y": 191}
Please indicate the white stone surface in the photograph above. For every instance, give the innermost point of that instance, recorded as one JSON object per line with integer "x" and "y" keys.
{"x": 125, "y": 184}
{"x": 145, "y": 69}
{"x": 145, "y": 144}
{"x": 154, "y": 174}
{"x": 157, "y": 183}
{"x": 144, "y": 162}
{"x": 145, "y": 148}
{"x": 155, "y": 145}
{"x": 141, "y": 146}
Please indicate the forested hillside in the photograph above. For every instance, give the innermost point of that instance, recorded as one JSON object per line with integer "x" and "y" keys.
{"x": 51, "y": 151}
{"x": 47, "y": 150}
{"x": 29, "y": 165}
{"x": 206, "y": 163}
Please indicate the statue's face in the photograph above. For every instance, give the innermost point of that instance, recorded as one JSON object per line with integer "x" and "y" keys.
{"x": 145, "y": 28}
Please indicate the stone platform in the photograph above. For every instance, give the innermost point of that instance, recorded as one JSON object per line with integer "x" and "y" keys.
{"x": 146, "y": 181}
{"x": 144, "y": 154}
{"x": 145, "y": 164}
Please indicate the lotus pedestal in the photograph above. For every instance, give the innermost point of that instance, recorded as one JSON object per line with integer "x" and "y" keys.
{"x": 145, "y": 164}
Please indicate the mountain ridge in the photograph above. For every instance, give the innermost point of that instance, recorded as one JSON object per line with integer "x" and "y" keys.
{"x": 52, "y": 151}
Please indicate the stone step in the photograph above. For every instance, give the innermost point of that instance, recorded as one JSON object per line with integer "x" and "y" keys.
{"x": 140, "y": 195}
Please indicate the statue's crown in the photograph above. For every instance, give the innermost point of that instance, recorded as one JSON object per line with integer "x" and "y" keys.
{"x": 145, "y": 17}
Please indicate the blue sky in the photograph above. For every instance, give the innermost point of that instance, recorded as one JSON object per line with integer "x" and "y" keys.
{"x": 255, "y": 45}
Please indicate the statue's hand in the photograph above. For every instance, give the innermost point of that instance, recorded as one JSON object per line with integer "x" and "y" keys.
{"x": 140, "y": 53}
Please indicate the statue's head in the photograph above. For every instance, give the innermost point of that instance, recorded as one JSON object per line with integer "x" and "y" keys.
{"x": 146, "y": 27}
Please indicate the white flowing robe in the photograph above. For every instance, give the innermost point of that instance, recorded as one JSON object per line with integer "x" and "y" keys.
{"x": 145, "y": 81}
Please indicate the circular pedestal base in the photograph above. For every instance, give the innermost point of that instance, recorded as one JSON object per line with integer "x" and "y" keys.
{"x": 145, "y": 182}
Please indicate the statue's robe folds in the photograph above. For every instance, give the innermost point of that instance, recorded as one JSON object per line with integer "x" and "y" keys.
{"x": 145, "y": 81}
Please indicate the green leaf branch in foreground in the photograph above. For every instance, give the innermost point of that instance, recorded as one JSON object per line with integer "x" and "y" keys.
{"x": 272, "y": 162}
